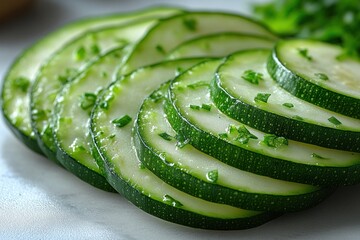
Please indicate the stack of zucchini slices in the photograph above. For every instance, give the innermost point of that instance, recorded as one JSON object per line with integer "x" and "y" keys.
{"x": 204, "y": 119}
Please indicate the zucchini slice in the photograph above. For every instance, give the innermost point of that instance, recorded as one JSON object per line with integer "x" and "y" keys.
{"x": 171, "y": 32}
{"x": 244, "y": 90}
{"x": 15, "y": 95}
{"x": 192, "y": 114}
{"x": 66, "y": 65}
{"x": 219, "y": 45}
{"x": 111, "y": 130}
{"x": 71, "y": 119}
{"x": 318, "y": 72}
{"x": 182, "y": 166}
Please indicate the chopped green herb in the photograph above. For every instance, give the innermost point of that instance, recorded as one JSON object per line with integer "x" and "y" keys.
{"x": 104, "y": 74}
{"x": 244, "y": 135}
{"x": 87, "y": 100}
{"x": 104, "y": 105}
{"x": 232, "y": 129}
{"x": 80, "y": 53}
{"x": 160, "y": 49}
{"x": 95, "y": 49}
{"x": 190, "y": 24}
{"x": 122, "y": 121}
{"x": 252, "y": 76}
{"x": 166, "y": 136}
{"x": 212, "y": 176}
{"x": 171, "y": 201}
{"x": 198, "y": 84}
{"x": 195, "y": 107}
{"x": 262, "y": 97}
{"x": 206, "y": 107}
{"x": 322, "y": 76}
{"x": 112, "y": 136}
{"x": 304, "y": 53}
{"x": 334, "y": 121}
{"x": 22, "y": 83}
{"x": 272, "y": 140}
{"x": 223, "y": 135}
{"x": 288, "y": 105}
{"x": 314, "y": 155}
{"x": 297, "y": 117}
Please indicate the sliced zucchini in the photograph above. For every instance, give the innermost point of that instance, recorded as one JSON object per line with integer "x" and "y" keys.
{"x": 171, "y": 32}
{"x": 193, "y": 115}
{"x": 244, "y": 90}
{"x": 187, "y": 169}
{"x": 15, "y": 95}
{"x": 111, "y": 129}
{"x": 66, "y": 65}
{"x": 318, "y": 72}
{"x": 219, "y": 45}
{"x": 71, "y": 118}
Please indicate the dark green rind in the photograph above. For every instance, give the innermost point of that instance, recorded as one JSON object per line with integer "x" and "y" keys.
{"x": 27, "y": 140}
{"x": 87, "y": 175}
{"x": 255, "y": 162}
{"x": 310, "y": 92}
{"x": 176, "y": 177}
{"x": 280, "y": 125}
{"x": 175, "y": 214}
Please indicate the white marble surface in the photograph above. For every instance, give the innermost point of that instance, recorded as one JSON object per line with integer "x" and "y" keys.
{"x": 39, "y": 200}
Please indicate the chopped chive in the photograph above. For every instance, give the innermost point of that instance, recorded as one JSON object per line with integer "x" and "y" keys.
{"x": 166, "y": 136}
{"x": 206, "y": 107}
{"x": 87, "y": 100}
{"x": 112, "y": 136}
{"x": 223, "y": 135}
{"x": 297, "y": 117}
{"x": 322, "y": 76}
{"x": 198, "y": 84}
{"x": 334, "y": 121}
{"x": 314, "y": 155}
{"x": 80, "y": 53}
{"x": 160, "y": 49}
{"x": 171, "y": 201}
{"x": 262, "y": 97}
{"x": 244, "y": 135}
{"x": 104, "y": 74}
{"x": 155, "y": 97}
{"x": 304, "y": 53}
{"x": 195, "y": 107}
{"x": 22, "y": 83}
{"x": 212, "y": 176}
{"x": 122, "y": 121}
{"x": 272, "y": 140}
{"x": 95, "y": 49}
{"x": 190, "y": 24}
{"x": 288, "y": 105}
{"x": 252, "y": 76}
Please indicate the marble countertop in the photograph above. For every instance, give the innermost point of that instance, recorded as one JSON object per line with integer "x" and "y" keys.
{"x": 39, "y": 200}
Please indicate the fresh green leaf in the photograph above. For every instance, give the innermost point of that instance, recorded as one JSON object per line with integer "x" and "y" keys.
{"x": 252, "y": 76}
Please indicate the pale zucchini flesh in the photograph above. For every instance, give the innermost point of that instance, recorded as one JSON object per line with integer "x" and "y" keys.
{"x": 302, "y": 121}
{"x": 319, "y": 73}
{"x": 200, "y": 175}
{"x": 138, "y": 184}
{"x": 66, "y": 65}
{"x": 204, "y": 129}
{"x": 22, "y": 73}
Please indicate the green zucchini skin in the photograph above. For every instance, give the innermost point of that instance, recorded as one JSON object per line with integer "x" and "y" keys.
{"x": 273, "y": 123}
{"x": 254, "y": 162}
{"x": 28, "y": 63}
{"x": 178, "y": 215}
{"x": 173, "y": 173}
{"x": 309, "y": 91}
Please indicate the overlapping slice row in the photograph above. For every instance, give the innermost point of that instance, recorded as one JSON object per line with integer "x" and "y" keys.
{"x": 176, "y": 155}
